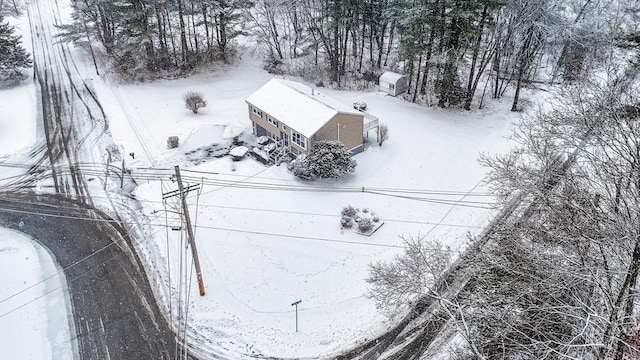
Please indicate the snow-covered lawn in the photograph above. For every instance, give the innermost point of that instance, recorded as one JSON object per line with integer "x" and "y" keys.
{"x": 33, "y": 317}
{"x": 267, "y": 239}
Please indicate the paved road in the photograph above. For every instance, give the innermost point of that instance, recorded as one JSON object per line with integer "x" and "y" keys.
{"x": 115, "y": 313}
{"x": 75, "y": 129}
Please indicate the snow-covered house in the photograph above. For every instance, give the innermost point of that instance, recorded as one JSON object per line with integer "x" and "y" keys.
{"x": 294, "y": 115}
{"x": 392, "y": 83}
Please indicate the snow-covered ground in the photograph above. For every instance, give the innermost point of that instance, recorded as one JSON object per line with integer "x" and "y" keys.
{"x": 266, "y": 239}
{"x": 33, "y": 319}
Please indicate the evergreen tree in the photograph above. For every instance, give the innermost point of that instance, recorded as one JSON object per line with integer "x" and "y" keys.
{"x": 326, "y": 159}
{"x": 13, "y": 57}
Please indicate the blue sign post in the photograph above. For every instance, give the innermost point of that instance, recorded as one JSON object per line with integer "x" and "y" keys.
{"x": 295, "y": 303}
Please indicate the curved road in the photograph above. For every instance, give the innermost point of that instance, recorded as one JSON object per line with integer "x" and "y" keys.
{"x": 115, "y": 314}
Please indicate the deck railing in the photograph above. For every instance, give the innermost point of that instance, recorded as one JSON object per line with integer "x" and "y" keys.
{"x": 371, "y": 124}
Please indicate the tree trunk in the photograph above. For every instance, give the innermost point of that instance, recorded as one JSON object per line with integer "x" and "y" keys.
{"x": 183, "y": 35}
{"x": 474, "y": 59}
{"x": 524, "y": 60}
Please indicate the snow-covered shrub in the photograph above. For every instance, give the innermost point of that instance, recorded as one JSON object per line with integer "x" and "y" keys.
{"x": 375, "y": 219}
{"x": 349, "y": 211}
{"x": 365, "y": 225}
{"x": 300, "y": 168}
{"x": 524, "y": 104}
{"x": 172, "y": 142}
{"x": 194, "y": 101}
{"x": 346, "y": 222}
{"x": 326, "y": 159}
{"x": 274, "y": 66}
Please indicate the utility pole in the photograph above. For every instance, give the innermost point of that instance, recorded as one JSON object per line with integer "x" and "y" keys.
{"x": 191, "y": 238}
{"x": 106, "y": 171}
{"x": 93, "y": 56}
{"x": 122, "y": 174}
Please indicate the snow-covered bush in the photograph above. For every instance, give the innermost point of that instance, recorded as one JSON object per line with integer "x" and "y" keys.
{"x": 326, "y": 159}
{"x": 348, "y": 211}
{"x": 365, "y": 220}
{"x": 274, "y": 66}
{"x": 301, "y": 169}
{"x": 172, "y": 142}
{"x": 365, "y": 225}
{"x": 194, "y": 101}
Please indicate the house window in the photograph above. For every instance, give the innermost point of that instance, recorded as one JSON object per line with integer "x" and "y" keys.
{"x": 391, "y": 86}
{"x": 272, "y": 136}
{"x": 272, "y": 120}
{"x": 299, "y": 139}
{"x": 284, "y": 127}
{"x": 256, "y": 111}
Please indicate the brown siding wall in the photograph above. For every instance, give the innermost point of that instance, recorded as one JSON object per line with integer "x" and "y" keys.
{"x": 350, "y": 130}
{"x": 262, "y": 121}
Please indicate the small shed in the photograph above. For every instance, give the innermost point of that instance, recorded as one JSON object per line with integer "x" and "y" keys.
{"x": 392, "y": 83}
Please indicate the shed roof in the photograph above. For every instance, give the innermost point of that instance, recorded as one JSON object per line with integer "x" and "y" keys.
{"x": 390, "y": 77}
{"x": 298, "y": 106}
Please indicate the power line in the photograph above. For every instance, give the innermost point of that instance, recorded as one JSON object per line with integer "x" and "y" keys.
{"x": 285, "y": 188}
{"x": 302, "y": 237}
{"x": 218, "y": 228}
{"x": 224, "y": 207}
{"x": 153, "y": 173}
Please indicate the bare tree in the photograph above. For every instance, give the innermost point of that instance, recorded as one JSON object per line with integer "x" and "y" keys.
{"x": 383, "y": 134}
{"x": 194, "y": 101}
{"x": 410, "y": 275}
{"x": 564, "y": 281}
